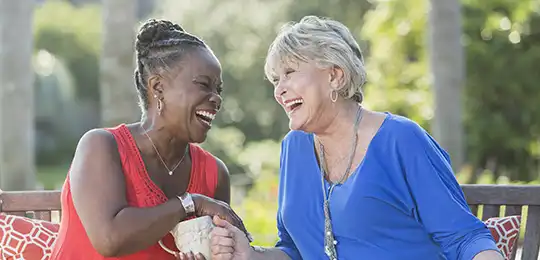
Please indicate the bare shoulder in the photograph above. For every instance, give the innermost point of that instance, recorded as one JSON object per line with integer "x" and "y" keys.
{"x": 97, "y": 184}
{"x": 96, "y": 147}
{"x": 223, "y": 189}
{"x": 96, "y": 139}
{"x": 223, "y": 171}
{"x": 224, "y": 178}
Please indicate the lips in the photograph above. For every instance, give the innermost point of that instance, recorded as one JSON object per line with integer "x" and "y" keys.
{"x": 293, "y": 104}
{"x": 206, "y": 116}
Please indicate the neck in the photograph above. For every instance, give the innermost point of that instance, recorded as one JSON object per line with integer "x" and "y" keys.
{"x": 169, "y": 145}
{"x": 340, "y": 126}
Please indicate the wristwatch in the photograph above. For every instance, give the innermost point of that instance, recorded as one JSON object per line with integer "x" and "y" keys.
{"x": 187, "y": 203}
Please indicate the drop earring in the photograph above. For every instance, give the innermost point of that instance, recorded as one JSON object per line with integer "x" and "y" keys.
{"x": 159, "y": 105}
{"x": 332, "y": 94}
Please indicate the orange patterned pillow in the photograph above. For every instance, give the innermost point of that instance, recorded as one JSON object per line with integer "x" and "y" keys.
{"x": 25, "y": 238}
{"x": 505, "y": 231}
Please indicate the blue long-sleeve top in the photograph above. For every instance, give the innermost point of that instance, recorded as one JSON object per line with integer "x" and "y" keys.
{"x": 402, "y": 202}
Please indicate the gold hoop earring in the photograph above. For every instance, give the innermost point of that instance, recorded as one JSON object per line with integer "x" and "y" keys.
{"x": 159, "y": 106}
{"x": 332, "y": 98}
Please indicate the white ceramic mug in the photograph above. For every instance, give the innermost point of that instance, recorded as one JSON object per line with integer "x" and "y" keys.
{"x": 192, "y": 235}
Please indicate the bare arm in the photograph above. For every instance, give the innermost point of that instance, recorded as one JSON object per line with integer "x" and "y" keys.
{"x": 223, "y": 189}
{"x": 488, "y": 255}
{"x": 99, "y": 196}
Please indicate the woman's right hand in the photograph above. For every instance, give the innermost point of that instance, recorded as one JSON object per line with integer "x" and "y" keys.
{"x": 206, "y": 206}
{"x": 228, "y": 242}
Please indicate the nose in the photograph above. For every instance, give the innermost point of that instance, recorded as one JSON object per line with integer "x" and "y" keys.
{"x": 280, "y": 90}
{"x": 216, "y": 100}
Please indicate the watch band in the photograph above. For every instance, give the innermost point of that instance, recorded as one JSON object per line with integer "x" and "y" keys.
{"x": 187, "y": 203}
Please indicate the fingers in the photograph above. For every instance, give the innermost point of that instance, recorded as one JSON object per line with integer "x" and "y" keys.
{"x": 224, "y": 256}
{"x": 231, "y": 220}
{"x": 190, "y": 256}
{"x": 219, "y": 249}
{"x": 222, "y": 242}
{"x": 237, "y": 220}
{"x": 221, "y": 222}
{"x": 221, "y": 237}
{"x": 240, "y": 224}
{"x": 221, "y": 232}
{"x": 228, "y": 224}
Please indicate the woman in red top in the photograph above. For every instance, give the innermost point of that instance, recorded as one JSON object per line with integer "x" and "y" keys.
{"x": 130, "y": 185}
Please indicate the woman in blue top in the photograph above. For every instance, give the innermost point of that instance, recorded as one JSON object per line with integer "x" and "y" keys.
{"x": 354, "y": 183}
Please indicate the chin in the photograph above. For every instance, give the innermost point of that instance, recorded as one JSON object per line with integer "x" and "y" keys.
{"x": 198, "y": 138}
{"x": 296, "y": 125}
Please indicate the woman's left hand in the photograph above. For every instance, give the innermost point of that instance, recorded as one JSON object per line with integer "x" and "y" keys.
{"x": 190, "y": 256}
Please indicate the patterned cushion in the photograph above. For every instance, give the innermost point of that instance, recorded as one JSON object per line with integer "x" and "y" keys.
{"x": 505, "y": 231}
{"x": 25, "y": 238}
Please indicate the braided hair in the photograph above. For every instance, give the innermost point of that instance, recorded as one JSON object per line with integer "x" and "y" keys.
{"x": 159, "y": 45}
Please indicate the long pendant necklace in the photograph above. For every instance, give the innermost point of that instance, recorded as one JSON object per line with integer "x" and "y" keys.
{"x": 171, "y": 171}
{"x": 329, "y": 240}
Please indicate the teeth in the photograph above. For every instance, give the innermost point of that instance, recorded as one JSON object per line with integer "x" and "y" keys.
{"x": 206, "y": 122}
{"x": 292, "y": 102}
{"x": 205, "y": 114}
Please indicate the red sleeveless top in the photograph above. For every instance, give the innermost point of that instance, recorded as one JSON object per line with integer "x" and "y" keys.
{"x": 73, "y": 243}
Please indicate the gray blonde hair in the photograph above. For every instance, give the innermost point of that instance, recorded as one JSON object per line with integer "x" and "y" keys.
{"x": 327, "y": 42}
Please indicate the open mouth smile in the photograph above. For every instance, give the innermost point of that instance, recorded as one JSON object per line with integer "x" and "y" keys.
{"x": 292, "y": 105}
{"x": 206, "y": 117}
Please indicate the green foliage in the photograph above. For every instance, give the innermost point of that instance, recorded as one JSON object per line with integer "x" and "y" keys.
{"x": 259, "y": 209}
{"x": 73, "y": 34}
{"x": 397, "y": 63}
{"x": 239, "y": 33}
{"x": 501, "y": 95}
{"x": 503, "y": 115}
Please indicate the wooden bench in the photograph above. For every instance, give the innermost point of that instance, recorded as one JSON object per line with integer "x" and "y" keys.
{"x": 34, "y": 204}
{"x": 509, "y": 200}
{"x": 488, "y": 200}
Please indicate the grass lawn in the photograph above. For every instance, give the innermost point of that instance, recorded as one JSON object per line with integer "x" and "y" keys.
{"x": 52, "y": 177}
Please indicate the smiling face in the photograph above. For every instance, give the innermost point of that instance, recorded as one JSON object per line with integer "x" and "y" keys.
{"x": 303, "y": 90}
{"x": 307, "y": 62}
{"x": 190, "y": 94}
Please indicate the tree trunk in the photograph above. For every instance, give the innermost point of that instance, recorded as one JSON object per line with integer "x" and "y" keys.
{"x": 17, "y": 163}
{"x": 448, "y": 71}
{"x": 117, "y": 87}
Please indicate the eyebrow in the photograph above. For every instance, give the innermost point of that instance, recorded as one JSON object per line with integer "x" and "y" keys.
{"x": 208, "y": 78}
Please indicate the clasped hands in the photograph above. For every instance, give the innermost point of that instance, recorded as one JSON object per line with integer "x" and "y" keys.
{"x": 227, "y": 242}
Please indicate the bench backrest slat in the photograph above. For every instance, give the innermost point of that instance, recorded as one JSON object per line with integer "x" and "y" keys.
{"x": 487, "y": 201}
{"x": 490, "y": 211}
{"x": 502, "y": 194}
{"x": 35, "y": 204}
{"x": 532, "y": 234}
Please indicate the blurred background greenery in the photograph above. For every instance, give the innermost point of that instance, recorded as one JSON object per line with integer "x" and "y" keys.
{"x": 500, "y": 107}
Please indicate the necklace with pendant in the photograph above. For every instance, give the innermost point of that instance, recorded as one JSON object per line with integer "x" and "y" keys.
{"x": 329, "y": 239}
{"x": 170, "y": 171}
